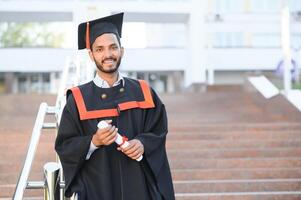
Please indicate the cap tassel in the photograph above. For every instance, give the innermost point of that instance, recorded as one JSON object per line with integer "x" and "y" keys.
{"x": 88, "y": 36}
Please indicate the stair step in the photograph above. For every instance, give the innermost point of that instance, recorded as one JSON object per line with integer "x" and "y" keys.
{"x": 262, "y": 193}
{"x": 7, "y": 191}
{"x": 189, "y": 174}
{"x": 221, "y": 186}
{"x": 47, "y": 154}
{"x": 229, "y": 143}
{"x": 206, "y": 196}
{"x": 220, "y": 174}
{"x": 231, "y": 163}
{"x": 195, "y": 135}
{"x": 178, "y": 123}
{"x": 234, "y": 153}
{"x": 280, "y": 195}
{"x": 6, "y": 177}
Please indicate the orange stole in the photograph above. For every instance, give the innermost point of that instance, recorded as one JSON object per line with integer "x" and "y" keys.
{"x": 84, "y": 114}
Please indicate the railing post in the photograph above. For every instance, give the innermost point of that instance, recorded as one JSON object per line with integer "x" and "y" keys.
{"x": 35, "y": 136}
{"x": 52, "y": 181}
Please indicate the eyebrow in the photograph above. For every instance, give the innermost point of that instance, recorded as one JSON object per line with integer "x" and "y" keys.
{"x": 112, "y": 44}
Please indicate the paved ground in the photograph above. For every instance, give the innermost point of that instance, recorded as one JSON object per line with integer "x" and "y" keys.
{"x": 18, "y": 113}
{"x": 218, "y": 141}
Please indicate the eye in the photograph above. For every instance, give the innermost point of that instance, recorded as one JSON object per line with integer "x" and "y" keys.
{"x": 114, "y": 47}
{"x": 98, "y": 50}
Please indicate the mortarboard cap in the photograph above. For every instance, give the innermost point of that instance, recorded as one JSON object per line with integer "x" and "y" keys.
{"x": 89, "y": 31}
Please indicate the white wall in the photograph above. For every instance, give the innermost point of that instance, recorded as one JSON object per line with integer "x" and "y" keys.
{"x": 246, "y": 22}
{"x": 33, "y": 59}
{"x": 243, "y": 59}
{"x": 155, "y": 59}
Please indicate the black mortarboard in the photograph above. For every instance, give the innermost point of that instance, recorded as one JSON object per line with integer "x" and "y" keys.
{"x": 89, "y": 31}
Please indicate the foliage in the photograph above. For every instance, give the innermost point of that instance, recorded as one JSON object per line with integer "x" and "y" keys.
{"x": 29, "y": 35}
{"x": 297, "y": 86}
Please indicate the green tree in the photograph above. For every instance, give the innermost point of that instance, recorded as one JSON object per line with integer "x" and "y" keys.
{"x": 29, "y": 35}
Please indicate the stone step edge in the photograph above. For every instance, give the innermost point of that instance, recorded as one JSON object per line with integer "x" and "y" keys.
{"x": 222, "y": 194}
{"x": 239, "y": 181}
{"x": 238, "y": 193}
{"x": 213, "y": 194}
{"x": 238, "y": 149}
{"x": 216, "y": 181}
{"x": 237, "y": 169}
{"x": 242, "y": 125}
{"x": 25, "y": 198}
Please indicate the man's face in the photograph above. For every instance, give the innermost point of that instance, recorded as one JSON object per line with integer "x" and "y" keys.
{"x": 107, "y": 53}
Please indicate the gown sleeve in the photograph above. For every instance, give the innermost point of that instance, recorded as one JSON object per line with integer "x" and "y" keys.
{"x": 154, "y": 135}
{"x": 71, "y": 144}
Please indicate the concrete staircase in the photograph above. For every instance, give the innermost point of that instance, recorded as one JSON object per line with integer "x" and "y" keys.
{"x": 234, "y": 145}
{"x": 236, "y": 163}
{"x": 16, "y": 125}
{"x": 224, "y": 144}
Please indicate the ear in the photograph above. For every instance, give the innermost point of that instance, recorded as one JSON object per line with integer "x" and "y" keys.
{"x": 91, "y": 55}
{"x": 122, "y": 51}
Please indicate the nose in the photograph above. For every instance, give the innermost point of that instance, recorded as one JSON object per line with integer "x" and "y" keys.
{"x": 107, "y": 53}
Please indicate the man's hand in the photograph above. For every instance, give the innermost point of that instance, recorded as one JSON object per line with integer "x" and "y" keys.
{"x": 134, "y": 150}
{"x": 105, "y": 136}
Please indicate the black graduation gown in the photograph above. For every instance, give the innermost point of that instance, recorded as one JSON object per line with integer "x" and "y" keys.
{"x": 109, "y": 174}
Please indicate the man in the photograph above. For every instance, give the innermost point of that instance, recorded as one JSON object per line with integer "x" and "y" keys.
{"x": 95, "y": 168}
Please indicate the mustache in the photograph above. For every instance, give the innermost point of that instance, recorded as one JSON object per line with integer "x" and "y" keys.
{"x": 109, "y": 58}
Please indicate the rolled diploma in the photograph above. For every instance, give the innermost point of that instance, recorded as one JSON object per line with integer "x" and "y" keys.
{"x": 119, "y": 140}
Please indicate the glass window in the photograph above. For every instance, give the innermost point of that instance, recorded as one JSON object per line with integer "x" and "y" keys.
{"x": 296, "y": 41}
{"x": 35, "y": 85}
{"x": 295, "y": 5}
{"x": 265, "y": 5}
{"x": 22, "y": 83}
{"x": 228, "y": 40}
{"x": 141, "y": 75}
{"x": 266, "y": 40}
{"x": 158, "y": 81}
{"x": 223, "y": 6}
{"x": 45, "y": 85}
{"x": 166, "y": 35}
{"x": 46, "y": 77}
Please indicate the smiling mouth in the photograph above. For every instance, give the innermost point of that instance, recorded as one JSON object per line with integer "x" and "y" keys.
{"x": 109, "y": 61}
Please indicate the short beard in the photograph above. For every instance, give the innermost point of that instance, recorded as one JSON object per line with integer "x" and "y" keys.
{"x": 110, "y": 71}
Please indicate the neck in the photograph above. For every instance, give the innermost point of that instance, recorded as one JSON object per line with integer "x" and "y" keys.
{"x": 111, "y": 78}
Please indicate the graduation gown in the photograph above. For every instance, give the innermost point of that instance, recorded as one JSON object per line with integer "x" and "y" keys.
{"x": 109, "y": 174}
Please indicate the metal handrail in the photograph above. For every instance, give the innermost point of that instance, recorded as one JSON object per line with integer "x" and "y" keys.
{"x": 34, "y": 141}
{"x": 53, "y": 176}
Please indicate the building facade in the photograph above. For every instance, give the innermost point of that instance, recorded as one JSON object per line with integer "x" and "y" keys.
{"x": 172, "y": 44}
